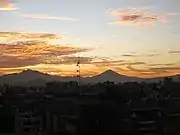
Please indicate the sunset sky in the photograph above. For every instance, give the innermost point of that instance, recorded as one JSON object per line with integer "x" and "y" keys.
{"x": 132, "y": 37}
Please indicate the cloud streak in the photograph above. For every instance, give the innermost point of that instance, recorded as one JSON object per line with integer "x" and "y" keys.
{"x": 156, "y": 71}
{"x": 6, "y": 5}
{"x": 47, "y": 17}
{"x": 174, "y": 52}
{"x": 138, "y": 16}
{"x": 116, "y": 63}
{"x": 20, "y": 36}
{"x": 129, "y": 55}
{"x": 157, "y": 65}
{"x": 70, "y": 60}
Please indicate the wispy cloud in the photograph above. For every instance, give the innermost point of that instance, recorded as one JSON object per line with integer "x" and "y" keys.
{"x": 70, "y": 60}
{"x": 48, "y": 17}
{"x": 156, "y": 71}
{"x": 139, "y": 16}
{"x": 165, "y": 69}
{"x": 158, "y": 65}
{"x": 95, "y": 61}
{"x": 174, "y": 52}
{"x": 6, "y": 5}
{"x": 151, "y": 55}
{"x": 129, "y": 55}
{"x": 140, "y": 55}
{"x": 116, "y": 63}
{"x": 22, "y": 36}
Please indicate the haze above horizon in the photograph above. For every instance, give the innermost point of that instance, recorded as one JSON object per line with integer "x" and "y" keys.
{"x": 132, "y": 37}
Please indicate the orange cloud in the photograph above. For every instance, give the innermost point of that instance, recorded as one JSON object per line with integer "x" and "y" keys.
{"x": 48, "y": 17}
{"x": 156, "y": 71}
{"x": 116, "y": 63}
{"x": 19, "y": 54}
{"x": 6, "y": 5}
{"x": 20, "y": 36}
{"x": 19, "y": 49}
{"x": 139, "y": 16}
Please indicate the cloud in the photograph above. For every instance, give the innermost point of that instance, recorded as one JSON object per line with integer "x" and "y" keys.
{"x": 152, "y": 55}
{"x": 139, "y": 55}
{"x": 48, "y": 17}
{"x": 154, "y": 65}
{"x": 6, "y": 5}
{"x": 174, "y": 52}
{"x": 128, "y": 55}
{"x": 96, "y": 61}
{"x": 139, "y": 16}
{"x": 13, "y": 62}
{"x": 107, "y": 63}
{"x": 129, "y": 67}
{"x": 165, "y": 69}
{"x": 136, "y": 63}
{"x": 69, "y": 60}
{"x": 156, "y": 71}
{"x": 9, "y": 70}
{"x": 18, "y": 54}
{"x": 21, "y": 36}
{"x": 116, "y": 63}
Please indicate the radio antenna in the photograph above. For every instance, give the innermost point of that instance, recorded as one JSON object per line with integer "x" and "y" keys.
{"x": 78, "y": 69}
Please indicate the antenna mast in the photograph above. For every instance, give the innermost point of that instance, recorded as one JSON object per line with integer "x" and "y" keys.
{"x": 78, "y": 70}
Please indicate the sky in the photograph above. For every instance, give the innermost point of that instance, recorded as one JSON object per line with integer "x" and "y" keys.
{"x": 132, "y": 37}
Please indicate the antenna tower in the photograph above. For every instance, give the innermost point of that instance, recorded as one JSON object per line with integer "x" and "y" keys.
{"x": 78, "y": 69}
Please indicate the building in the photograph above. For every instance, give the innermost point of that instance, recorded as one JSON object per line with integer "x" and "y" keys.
{"x": 58, "y": 116}
{"x": 27, "y": 119}
{"x": 148, "y": 121}
{"x": 7, "y": 120}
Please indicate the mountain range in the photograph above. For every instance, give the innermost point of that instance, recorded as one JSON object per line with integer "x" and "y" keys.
{"x": 36, "y": 78}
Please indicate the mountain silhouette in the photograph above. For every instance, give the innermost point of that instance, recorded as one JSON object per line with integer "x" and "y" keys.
{"x": 35, "y": 78}
{"x": 112, "y": 76}
{"x": 32, "y": 77}
{"x": 23, "y": 77}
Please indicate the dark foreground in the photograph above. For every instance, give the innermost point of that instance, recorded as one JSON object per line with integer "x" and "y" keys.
{"x": 66, "y": 108}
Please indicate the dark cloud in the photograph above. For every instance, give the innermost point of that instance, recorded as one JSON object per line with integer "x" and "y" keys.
{"x": 129, "y": 55}
{"x": 159, "y": 70}
{"x": 174, "y": 52}
{"x": 13, "y": 62}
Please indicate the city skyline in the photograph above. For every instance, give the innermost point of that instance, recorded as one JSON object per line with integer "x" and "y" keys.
{"x": 132, "y": 37}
